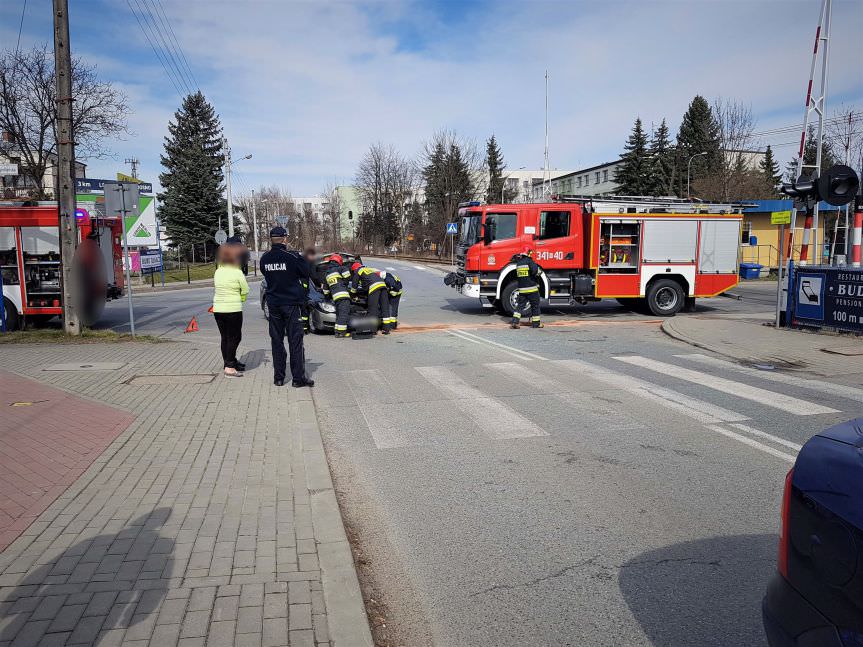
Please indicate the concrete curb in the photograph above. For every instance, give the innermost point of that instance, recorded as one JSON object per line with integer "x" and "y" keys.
{"x": 669, "y": 329}
{"x": 346, "y": 610}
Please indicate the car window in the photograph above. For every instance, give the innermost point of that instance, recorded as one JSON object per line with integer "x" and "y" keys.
{"x": 553, "y": 224}
{"x": 504, "y": 225}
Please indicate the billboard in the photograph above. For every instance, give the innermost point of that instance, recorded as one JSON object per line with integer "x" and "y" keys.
{"x": 830, "y": 297}
{"x": 140, "y": 225}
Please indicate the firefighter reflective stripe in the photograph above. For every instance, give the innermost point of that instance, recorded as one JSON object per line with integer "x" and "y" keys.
{"x": 534, "y": 318}
{"x": 377, "y": 286}
{"x": 528, "y": 290}
{"x": 341, "y": 328}
{"x": 516, "y": 315}
{"x": 340, "y": 295}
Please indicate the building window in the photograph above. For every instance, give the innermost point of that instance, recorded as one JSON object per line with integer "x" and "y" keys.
{"x": 745, "y": 232}
{"x": 579, "y": 181}
{"x": 605, "y": 175}
{"x": 597, "y": 177}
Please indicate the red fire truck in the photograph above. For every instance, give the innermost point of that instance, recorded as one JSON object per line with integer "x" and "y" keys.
{"x": 30, "y": 259}
{"x": 657, "y": 254}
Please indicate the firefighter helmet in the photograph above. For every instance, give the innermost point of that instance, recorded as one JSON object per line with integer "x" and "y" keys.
{"x": 357, "y": 265}
{"x": 527, "y": 250}
{"x": 337, "y": 259}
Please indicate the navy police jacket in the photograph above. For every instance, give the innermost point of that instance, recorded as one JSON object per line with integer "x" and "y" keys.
{"x": 285, "y": 272}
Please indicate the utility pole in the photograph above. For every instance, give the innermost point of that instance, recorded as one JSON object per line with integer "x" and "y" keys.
{"x": 226, "y": 149}
{"x": 134, "y": 162}
{"x": 65, "y": 187}
{"x": 546, "y": 172}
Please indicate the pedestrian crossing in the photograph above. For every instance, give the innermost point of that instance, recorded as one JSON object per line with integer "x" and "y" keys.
{"x": 487, "y": 400}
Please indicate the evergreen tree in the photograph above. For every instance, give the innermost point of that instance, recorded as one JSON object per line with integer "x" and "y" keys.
{"x": 634, "y": 175}
{"x": 810, "y": 154}
{"x": 191, "y": 203}
{"x": 662, "y": 156}
{"x": 699, "y": 133}
{"x": 448, "y": 181}
{"x": 769, "y": 169}
{"x": 495, "y": 164}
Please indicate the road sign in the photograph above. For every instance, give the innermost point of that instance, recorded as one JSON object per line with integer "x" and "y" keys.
{"x": 282, "y": 221}
{"x": 88, "y": 184}
{"x": 780, "y": 218}
{"x": 221, "y": 237}
{"x": 830, "y": 296}
{"x": 8, "y": 169}
{"x": 452, "y": 228}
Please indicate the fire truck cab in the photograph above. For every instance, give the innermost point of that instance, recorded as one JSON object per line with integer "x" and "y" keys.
{"x": 30, "y": 259}
{"x": 659, "y": 254}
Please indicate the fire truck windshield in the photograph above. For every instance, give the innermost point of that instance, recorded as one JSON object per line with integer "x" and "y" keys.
{"x": 469, "y": 230}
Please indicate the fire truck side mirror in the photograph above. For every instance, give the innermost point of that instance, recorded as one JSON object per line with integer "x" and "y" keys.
{"x": 488, "y": 233}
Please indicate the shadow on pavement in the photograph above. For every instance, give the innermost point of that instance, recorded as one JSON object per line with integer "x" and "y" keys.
{"x": 110, "y": 582}
{"x": 254, "y": 358}
{"x": 701, "y": 593}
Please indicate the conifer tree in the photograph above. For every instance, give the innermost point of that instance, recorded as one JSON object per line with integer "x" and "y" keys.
{"x": 191, "y": 203}
{"x": 495, "y": 164}
{"x": 634, "y": 175}
{"x": 663, "y": 166}
{"x": 769, "y": 169}
{"x": 699, "y": 133}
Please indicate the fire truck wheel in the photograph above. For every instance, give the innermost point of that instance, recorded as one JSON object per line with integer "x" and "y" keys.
{"x": 665, "y": 298}
{"x": 13, "y": 319}
{"x": 509, "y": 298}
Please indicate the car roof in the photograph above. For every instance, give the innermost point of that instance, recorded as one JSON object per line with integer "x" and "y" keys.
{"x": 850, "y": 433}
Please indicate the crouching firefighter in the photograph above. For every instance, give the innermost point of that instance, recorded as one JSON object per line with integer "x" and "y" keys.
{"x": 336, "y": 277}
{"x": 529, "y": 276}
{"x": 394, "y": 291}
{"x": 369, "y": 281}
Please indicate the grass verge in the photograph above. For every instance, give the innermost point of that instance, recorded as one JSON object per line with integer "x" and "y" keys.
{"x": 42, "y": 336}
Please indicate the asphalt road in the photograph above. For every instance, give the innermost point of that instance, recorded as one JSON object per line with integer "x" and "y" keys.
{"x": 590, "y": 483}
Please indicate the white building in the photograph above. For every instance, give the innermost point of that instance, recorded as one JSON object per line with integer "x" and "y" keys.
{"x": 594, "y": 180}
{"x": 518, "y": 181}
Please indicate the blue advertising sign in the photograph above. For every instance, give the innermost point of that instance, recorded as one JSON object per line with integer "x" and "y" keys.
{"x": 88, "y": 184}
{"x": 452, "y": 228}
{"x": 829, "y": 296}
{"x": 151, "y": 260}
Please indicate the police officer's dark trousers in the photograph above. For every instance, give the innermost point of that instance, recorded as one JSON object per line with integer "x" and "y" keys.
{"x": 287, "y": 319}
{"x": 531, "y": 298}
{"x": 379, "y": 306}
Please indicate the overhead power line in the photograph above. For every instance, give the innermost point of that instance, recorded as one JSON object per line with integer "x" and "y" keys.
{"x": 20, "y": 27}
{"x": 177, "y": 43}
{"x": 156, "y": 50}
{"x": 164, "y": 39}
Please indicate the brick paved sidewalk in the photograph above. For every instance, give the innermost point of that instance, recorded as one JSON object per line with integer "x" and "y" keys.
{"x": 210, "y": 520}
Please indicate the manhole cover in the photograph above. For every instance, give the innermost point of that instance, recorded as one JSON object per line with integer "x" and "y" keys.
{"x": 88, "y": 366}
{"x": 204, "y": 378}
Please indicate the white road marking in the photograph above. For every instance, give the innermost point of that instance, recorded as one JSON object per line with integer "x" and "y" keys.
{"x": 792, "y": 380}
{"x": 369, "y": 388}
{"x": 420, "y": 267}
{"x": 523, "y": 353}
{"x": 497, "y": 420}
{"x": 523, "y": 374}
{"x": 738, "y": 389}
{"x": 391, "y": 269}
{"x": 456, "y": 333}
{"x": 703, "y": 412}
{"x": 763, "y": 434}
{"x": 752, "y": 443}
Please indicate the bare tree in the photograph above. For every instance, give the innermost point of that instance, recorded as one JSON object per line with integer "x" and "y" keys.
{"x": 28, "y": 111}
{"x": 736, "y": 124}
{"x": 333, "y": 205}
{"x": 386, "y": 182}
{"x": 845, "y": 135}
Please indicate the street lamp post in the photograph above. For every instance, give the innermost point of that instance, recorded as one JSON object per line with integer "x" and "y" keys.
{"x": 226, "y": 151}
{"x": 688, "y": 171}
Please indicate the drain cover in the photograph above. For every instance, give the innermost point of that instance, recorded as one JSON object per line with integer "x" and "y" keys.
{"x": 88, "y": 366}
{"x": 200, "y": 378}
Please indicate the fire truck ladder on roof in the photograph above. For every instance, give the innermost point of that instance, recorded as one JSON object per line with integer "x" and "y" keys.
{"x": 646, "y": 204}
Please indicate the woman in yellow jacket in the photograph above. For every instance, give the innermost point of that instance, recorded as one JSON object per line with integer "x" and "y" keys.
{"x": 230, "y": 293}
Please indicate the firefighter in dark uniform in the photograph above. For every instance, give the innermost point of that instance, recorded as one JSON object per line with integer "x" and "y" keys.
{"x": 369, "y": 281}
{"x": 529, "y": 276}
{"x": 335, "y": 285}
{"x": 285, "y": 273}
{"x": 394, "y": 291}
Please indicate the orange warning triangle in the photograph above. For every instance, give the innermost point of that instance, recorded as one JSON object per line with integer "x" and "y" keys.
{"x": 193, "y": 325}
{"x": 210, "y": 309}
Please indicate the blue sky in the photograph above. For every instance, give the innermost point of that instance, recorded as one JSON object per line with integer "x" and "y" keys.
{"x": 305, "y": 87}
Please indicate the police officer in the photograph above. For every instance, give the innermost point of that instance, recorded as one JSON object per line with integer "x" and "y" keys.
{"x": 369, "y": 281}
{"x": 394, "y": 291}
{"x": 336, "y": 277}
{"x": 285, "y": 273}
{"x": 529, "y": 275}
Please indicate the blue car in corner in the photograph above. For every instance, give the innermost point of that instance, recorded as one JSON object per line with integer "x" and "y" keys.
{"x": 815, "y": 599}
